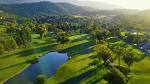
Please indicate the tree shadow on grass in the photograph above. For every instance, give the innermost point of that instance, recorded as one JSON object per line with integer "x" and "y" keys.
{"x": 81, "y": 52}
{"x": 94, "y": 81}
{"x": 91, "y": 57}
{"x": 18, "y": 64}
{"x": 96, "y": 77}
{"x": 80, "y": 60}
{"x": 79, "y": 49}
{"x": 32, "y": 51}
{"x": 113, "y": 39}
{"x": 80, "y": 38}
{"x": 77, "y": 79}
{"x": 36, "y": 50}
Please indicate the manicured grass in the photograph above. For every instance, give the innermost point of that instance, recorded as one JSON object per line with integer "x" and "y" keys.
{"x": 113, "y": 42}
{"x": 73, "y": 69}
{"x": 77, "y": 70}
{"x": 141, "y": 72}
{"x": 80, "y": 69}
{"x": 79, "y": 66}
{"x": 13, "y": 62}
{"x": 96, "y": 77}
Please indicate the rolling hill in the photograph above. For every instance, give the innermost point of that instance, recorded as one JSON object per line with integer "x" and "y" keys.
{"x": 30, "y": 9}
{"x": 93, "y": 4}
{"x": 46, "y": 7}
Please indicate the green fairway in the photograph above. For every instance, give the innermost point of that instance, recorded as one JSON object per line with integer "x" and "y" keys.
{"x": 141, "y": 72}
{"x": 79, "y": 66}
{"x": 13, "y": 62}
{"x": 79, "y": 69}
{"x": 113, "y": 42}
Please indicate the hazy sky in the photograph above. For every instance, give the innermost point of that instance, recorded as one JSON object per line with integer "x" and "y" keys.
{"x": 129, "y": 4}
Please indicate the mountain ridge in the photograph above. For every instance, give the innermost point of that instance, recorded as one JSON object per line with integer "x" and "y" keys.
{"x": 93, "y": 4}
{"x": 31, "y": 9}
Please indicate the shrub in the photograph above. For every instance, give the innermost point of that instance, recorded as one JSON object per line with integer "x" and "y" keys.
{"x": 33, "y": 60}
{"x": 1, "y": 48}
{"x": 63, "y": 39}
{"x": 115, "y": 78}
{"x": 8, "y": 42}
{"x": 40, "y": 79}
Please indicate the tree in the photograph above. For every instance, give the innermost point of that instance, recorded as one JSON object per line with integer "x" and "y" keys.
{"x": 115, "y": 76}
{"x": 12, "y": 27}
{"x": 104, "y": 26}
{"x": 42, "y": 30}
{"x": 129, "y": 58}
{"x": 95, "y": 35}
{"x": 62, "y": 38}
{"x": 21, "y": 32}
{"x": 117, "y": 30}
{"x": 8, "y": 43}
{"x": 104, "y": 34}
{"x": 41, "y": 79}
{"x": 120, "y": 53}
{"x": 103, "y": 52}
{"x": 23, "y": 35}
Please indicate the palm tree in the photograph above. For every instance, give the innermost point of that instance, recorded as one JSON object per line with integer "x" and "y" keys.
{"x": 120, "y": 53}
{"x": 103, "y": 52}
{"x": 129, "y": 58}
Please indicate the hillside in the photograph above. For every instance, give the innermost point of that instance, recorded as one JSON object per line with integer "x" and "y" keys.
{"x": 30, "y": 9}
{"x": 93, "y": 4}
{"x": 135, "y": 19}
{"x": 16, "y": 1}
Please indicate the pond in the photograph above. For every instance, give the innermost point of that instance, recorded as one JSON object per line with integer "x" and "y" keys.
{"x": 47, "y": 66}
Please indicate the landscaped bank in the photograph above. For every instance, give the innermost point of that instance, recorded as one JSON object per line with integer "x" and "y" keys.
{"x": 14, "y": 62}
{"x": 46, "y": 66}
